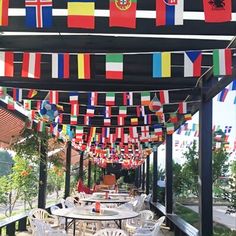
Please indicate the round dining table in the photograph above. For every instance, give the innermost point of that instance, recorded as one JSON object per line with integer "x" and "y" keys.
{"x": 87, "y": 214}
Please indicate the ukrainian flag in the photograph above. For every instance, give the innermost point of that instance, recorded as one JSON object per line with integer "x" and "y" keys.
{"x": 161, "y": 64}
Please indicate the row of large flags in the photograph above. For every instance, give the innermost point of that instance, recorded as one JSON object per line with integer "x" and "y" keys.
{"x": 223, "y": 94}
{"x": 114, "y": 64}
{"x": 122, "y": 13}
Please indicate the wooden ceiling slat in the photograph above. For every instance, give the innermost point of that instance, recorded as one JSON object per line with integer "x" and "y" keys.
{"x": 144, "y": 26}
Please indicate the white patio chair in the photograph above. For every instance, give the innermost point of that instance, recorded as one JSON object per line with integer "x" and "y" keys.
{"x": 44, "y": 229}
{"x": 111, "y": 232}
{"x": 146, "y": 231}
{"x": 132, "y": 224}
{"x": 42, "y": 214}
{"x": 61, "y": 220}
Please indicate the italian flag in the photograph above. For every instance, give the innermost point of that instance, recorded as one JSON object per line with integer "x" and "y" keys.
{"x": 110, "y": 99}
{"x": 170, "y": 129}
{"x": 41, "y": 126}
{"x": 222, "y": 62}
{"x": 114, "y": 66}
{"x": 73, "y": 120}
{"x": 145, "y": 98}
{"x": 122, "y": 111}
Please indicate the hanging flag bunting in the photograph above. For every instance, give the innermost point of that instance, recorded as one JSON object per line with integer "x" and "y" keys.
{"x": 32, "y": 93}
{"x": 164, "y": 96}
{"x": 41, "y": 127}
{"x": 79, "y": 133}
{"x": 74, "y": 98}
{"x": 123, "y": 13}
{"x": 182, "y": 108}
{"x": 3, "y": 92}
{"x": 110, "y": 99}
{"x": 235, "y": 100}
{"x": 138, "y": 111}
{"x": 227, "y": 129}
{"x": 133, "y": 132}
{"x": 155, "y": 104}
{"x": 169, "y": 12}
{"x": 161, "y": 64}
{"x": 217, "y": 10}
{"x": 27, "y": 104}
{"x": 90, "y": 111}
{"x": 73, "y": 120}
{"x": 142, "y": 109}
{"x": 17, "y": 95}
{"x": 145, "y": 130}
{"x": 53, "y": 97}
{"x": 120, "y": 120}
{"x": 38, "y": 13}
{"x": 61, "y": 65}
{"x": 93, "y": 98}
{"x": 222, "y": 62}
{"x": 158, "y": 130}
{"x": 83, "y": 60}
{"x": 122, "y": 111}
{"x": 114, "y": 66}
{"x": 81, "y": 14}
{"x": 232, "y": 85}
{"x": 145, "y": 98}
{"x": 120, "y": 132}
{"x": 188, "y": 116}
{"x": 173, "y": 117}
{"x": 10, "y": 103}
{"x": 107, "y": 122}
{"x": 74, "y": 109}
{"x": 4, "y": 5}
{"x": 222, "y": 95}
{"x": 6, "y": 63}
{"x": 86, "y": 120}
{"x": 107, "y": 112}
{"x": 31, "y": 65}
{"x": 130, "y": 98}
{"x": 170, "y": 129}
{"x": 192, "y": 63}
{"x": 134, "y": 121}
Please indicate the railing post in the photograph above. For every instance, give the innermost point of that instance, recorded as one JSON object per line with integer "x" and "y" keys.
{"x": 143, "y": 176}
{"x": 154, "y": 183}
{"x": 136, "y": 177}
{"x": 169, "y": 175}
{"x": 11, "y": 229}
{"x": 42, "y": 174}
{"x": 147, "y": 174}
{"x": 22, "y": 224}
{"x": 95, "y": 173}
{"x": 68, "y": 167}
{"x": 205, "y": 165}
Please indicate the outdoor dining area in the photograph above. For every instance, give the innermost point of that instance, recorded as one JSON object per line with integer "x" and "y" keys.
{"x": 112, "y": 81}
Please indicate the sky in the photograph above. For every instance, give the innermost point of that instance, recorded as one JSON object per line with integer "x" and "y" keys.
{"x": 224, "y": 114}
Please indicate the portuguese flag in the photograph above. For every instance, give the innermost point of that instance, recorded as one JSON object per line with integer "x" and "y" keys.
{"x": 123, "y": 13}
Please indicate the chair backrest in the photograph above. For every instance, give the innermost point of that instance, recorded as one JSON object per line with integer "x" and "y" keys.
{"x": 111, "y": 232}
{"x": 69, "y": 204}
{"x": 53, "y": 208}
{"x": 63, "y": 203}
{"x": 158, "y": 225}
{"x": 146, "y": 215}
{"x": 39, "y": 213}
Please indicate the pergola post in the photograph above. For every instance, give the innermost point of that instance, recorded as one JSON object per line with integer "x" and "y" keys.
{"x": 154, "y": 183}
{"x": 169, "y": 176}
{"x": 42, "y": 174}
{"x": 140, "y": 176}
{"x": 205, "y": 166}
{"x": 89, "y": 173}
{"x": 147, "y": 174}
{"x": 81, "y": 166}
{"x": 143, "y": 176}
{"x": 68, "y": 167}
{"x": 95, "y": 173}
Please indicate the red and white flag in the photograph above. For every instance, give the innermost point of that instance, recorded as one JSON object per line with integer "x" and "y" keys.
{"x": 74, "y": 109}
{"x": 6, "y": 64}
{"x": 217, "y": 10}
{"x": 182, "y": 108}
{"x": 53, "y": 97}
{"x": 164, "y": 96}
{"x": 107, "y": 122}
{"x": 31, "y": 65}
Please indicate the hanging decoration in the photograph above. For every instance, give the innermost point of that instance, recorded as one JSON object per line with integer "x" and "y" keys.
{"x": 155, "y": 104}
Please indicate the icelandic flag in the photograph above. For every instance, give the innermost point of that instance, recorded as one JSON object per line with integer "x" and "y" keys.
{"x": 38, "y": 13}
{"x": 169, "y": 12}
{"x": 60, "y": 65}
{"x": 192, "y": 63}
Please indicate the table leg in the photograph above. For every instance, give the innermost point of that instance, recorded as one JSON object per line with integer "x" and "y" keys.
{"x": 118, "y": 223}
{"x": 74, "y": 227}
{"x": 66, "y": 225}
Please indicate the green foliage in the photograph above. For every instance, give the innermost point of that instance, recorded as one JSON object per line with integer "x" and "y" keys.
{"x": 5, "y": 163}
{"x": 178, "y": 180}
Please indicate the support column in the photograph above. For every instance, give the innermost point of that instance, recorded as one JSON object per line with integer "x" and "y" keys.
{"x": 89, "y": 173}
{"x": 68, "y": 167}
{"x": 42, "y": 174}
{"x": 205, "y": 166}
{"x": 154, "y": 183}
{"x": 169, "y": 176}
{"x": 143, "y": 177}
{"x": 147, "y": 174}
{"x": 81, "y": 166}
{"x": 136, "y": 177}
{"x": 140, "y": 176}
{"x": 95, "y": 173}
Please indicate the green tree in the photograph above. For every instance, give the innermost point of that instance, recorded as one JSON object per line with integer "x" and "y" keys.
{"x": 6, "y": 163}
{"x": 178, "y": 181}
